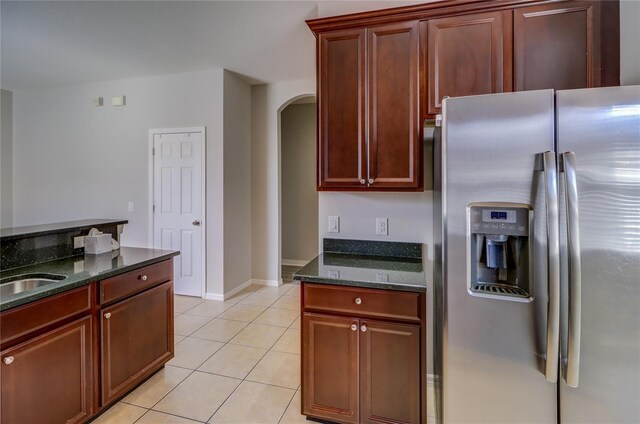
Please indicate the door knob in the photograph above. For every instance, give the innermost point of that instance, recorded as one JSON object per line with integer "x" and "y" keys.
{"x": 196, "y": 223}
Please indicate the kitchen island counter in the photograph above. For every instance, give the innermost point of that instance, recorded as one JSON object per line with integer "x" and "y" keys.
{"x": 368, "y": 271}
{"x": 369, "y": 264}
{"x": 80, "y": 270}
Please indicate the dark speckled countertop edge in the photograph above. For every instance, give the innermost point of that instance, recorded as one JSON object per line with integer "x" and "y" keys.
{"x": 401, "y": 261}
{"x": 363, "y": 284}
{"x": 75, "y": 281}
{"x": 7, "y": 234}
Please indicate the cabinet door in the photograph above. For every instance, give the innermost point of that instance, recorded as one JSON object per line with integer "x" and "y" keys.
{"x": 557, "y": 46}
{"x": 49, "y": 378}
{"x": 341, "y": 106}
{"x": 330, "y": 367}
{"x": 389, "y": 372}
{"x": 136, "y": 338}
{"x": 395, "y": 147}
{"x": 468, "y": 55}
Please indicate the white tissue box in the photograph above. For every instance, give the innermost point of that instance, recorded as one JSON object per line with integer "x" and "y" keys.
{"x": 94, "y": 245}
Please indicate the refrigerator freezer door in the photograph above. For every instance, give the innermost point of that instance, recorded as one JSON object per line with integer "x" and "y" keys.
{"x": 602, "y": 127}
{"x": 493, "y": 350}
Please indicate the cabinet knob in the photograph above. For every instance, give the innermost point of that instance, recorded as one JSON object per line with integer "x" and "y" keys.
{"x": 370, "y": 180}
{"x": 353, "y": 328}
{"x": 9, "y": 359}
{"x": 363, "y": 328}
{"x": 362, "y": 181}
{"x": 107, "y": 315}
{"x": 358, "y": 301}
{"x": 143, "y": 277}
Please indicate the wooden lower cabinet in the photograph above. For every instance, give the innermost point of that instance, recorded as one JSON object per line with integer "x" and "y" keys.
{"x": 389, "y": 372}
{"x": 357, "y": 369}
{"x": 136, "y": 339}
{"x": 49, "y": 378}
{"x": 330, "y": 367}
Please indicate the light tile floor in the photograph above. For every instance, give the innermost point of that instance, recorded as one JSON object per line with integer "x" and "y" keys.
{"x": 236, "y": 361}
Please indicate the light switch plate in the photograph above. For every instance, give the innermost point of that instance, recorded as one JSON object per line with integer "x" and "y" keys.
{"x": 118, "y": 101}
{"x": 334, "y": 224}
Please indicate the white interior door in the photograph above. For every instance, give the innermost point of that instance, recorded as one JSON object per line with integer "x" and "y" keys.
{"x": 178, "y": 199}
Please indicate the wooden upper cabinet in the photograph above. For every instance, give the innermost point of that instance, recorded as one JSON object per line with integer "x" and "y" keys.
{"x": 557, "y": 46}
{"x": 393, "y": 91}
{"x": 467, "y": 55}
{"x": 341, "y": 108}
{"x": 368, "y": 109}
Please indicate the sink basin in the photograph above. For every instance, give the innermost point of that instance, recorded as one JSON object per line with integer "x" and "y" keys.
{"x": 20, "y": 283}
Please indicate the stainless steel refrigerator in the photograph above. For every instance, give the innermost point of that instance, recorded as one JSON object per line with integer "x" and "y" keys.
{"x": 537, "y": 257}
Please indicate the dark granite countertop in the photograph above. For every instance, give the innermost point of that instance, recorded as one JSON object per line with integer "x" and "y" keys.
{"x": 81, "y": 270}
{"x": 371, "y": 271}
{"x": 43, "y": 229}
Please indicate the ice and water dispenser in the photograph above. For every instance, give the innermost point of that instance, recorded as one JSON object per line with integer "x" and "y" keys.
{"x": 500, "y": 236}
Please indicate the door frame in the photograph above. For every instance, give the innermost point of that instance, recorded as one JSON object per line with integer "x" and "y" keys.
{"x": 203, "y": 195}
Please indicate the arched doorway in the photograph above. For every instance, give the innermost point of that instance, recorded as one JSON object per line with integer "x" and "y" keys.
{"x": 298, "y": 195}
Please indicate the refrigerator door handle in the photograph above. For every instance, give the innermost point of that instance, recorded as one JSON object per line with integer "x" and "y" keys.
{"x": 575, "y": 270}
{"x": 553, "y": 266}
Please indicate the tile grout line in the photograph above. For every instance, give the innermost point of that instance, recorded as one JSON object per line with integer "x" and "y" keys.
{"x": 252, "y": 368}
{"x": 217, "y": 350}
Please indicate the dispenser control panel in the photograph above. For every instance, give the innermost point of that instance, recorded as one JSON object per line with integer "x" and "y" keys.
{"x": 499, "y": 220}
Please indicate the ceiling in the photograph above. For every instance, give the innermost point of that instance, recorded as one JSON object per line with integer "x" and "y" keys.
{"x": 53, "y": 43}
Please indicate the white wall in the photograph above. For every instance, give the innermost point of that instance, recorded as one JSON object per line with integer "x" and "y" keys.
{"x": 299, "y": 195}
{"x": 237, "y": 181}
{"x": 75, "y": 161}
{"x": 342, "y": 7}
{"x": 629, "y": 42}
{"x": 410, "y": 216}
{"x": 266, "y": 103}
{"x": 6, "y": 159}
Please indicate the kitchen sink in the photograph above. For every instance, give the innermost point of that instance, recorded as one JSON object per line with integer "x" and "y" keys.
{"x": 20, "y": 283}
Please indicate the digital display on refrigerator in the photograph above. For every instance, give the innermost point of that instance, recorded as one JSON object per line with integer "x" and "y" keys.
{"x": 498, "y": 215}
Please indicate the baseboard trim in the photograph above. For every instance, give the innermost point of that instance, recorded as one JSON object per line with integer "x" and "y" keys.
{"x": 294, "y": 262}
{"x": 270, "y": 283}
{"x": 211, "y": 296}
{"x": 228, "y": 295}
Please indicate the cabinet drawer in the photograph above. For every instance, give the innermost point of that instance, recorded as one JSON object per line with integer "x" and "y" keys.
{"x": 135, "y": 281}
{"x": 31, "y": 317}
{"x": 393, "y": 305}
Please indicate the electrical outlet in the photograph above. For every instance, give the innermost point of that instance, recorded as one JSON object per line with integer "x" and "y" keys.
{"x": 130, "y": 206}
{"x": 78, "y": 242}
{"x": 334, "y": 224}
{"x": 382, "y": 226}
{"x": 382, "y": 277}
